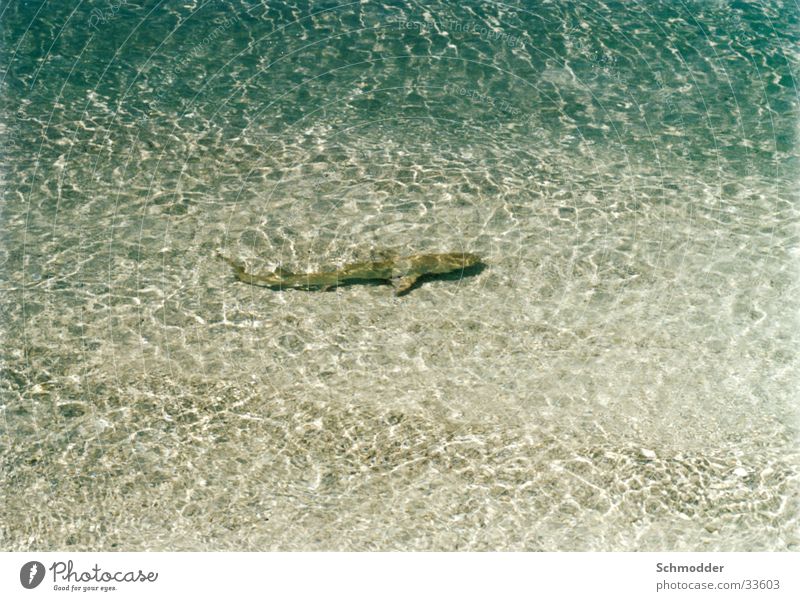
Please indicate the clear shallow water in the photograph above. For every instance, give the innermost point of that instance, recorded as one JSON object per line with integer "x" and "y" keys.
{"x": 622, "y": 376}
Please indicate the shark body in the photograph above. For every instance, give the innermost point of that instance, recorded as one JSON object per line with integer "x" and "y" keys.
{"x": 401, "y": 272}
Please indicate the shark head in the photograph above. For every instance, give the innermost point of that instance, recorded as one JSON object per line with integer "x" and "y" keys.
{"x": 445, "y": 262}
{"x": 406, "y": 270}
{"x": 459, "y": 260}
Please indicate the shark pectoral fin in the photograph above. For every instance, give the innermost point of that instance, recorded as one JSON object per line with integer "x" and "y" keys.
{"x": 403, "y": 284}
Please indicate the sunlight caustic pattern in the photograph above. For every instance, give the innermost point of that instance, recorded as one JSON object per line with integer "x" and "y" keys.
{"x": 622, "y": 375}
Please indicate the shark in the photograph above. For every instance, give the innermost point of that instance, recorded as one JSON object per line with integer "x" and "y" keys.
{"x": 401, "y": 272}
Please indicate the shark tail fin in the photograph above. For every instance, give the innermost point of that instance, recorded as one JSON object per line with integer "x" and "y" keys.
{"x": 238, "y": 266}
{"x": 241, "y": 273}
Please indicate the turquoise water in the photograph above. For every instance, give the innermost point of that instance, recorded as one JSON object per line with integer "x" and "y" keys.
{"x": 622, "y": 376}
